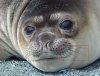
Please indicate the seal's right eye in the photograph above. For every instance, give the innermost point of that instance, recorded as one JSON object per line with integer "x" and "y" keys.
{"x": 29, "y": 30}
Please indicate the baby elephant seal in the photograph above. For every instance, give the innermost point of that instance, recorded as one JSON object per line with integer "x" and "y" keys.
{"x": 50, "y": 34}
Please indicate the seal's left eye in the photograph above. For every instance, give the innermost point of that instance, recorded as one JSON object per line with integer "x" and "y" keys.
{"x": 66, "y": 25}
{"x": 29, "y": 30}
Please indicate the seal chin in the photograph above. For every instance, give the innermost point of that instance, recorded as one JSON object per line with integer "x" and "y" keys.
{"x": 53, "y": 64}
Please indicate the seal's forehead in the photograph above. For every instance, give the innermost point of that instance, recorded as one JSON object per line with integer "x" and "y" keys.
{"x": 40, "y": 7}
{"x": 45, "y": 6}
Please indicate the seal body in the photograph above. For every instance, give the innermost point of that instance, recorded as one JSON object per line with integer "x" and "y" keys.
{"x": 50, "y": 48}
{"x": 8, "y": 11}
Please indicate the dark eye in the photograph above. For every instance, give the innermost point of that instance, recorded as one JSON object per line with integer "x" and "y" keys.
{"x": 66, "y": 25}
{"x": 29, "y": 30}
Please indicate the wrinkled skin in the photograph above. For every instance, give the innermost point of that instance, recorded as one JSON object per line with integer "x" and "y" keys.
{"x": 50, "y": 48}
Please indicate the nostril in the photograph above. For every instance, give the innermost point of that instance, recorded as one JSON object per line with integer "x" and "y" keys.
{"x": 46, "y": 37}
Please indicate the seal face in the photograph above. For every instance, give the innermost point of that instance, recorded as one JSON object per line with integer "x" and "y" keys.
{"x": 48, "y": 40}
{"x": 47, "y": 34}
{"x": 50, "y": 34}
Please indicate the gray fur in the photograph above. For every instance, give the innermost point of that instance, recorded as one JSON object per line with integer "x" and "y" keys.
{"x": 45, "y": 51}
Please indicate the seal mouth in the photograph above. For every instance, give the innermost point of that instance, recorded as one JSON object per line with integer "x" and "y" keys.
{"x": 47, "y": 59}
{"x": 51, "y": 59}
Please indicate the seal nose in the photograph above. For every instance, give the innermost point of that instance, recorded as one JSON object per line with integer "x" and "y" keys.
{"x": 46, "y": 37}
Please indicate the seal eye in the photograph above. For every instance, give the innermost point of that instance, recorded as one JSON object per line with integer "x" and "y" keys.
{"x": 66, "y": 25}
{"x": 29, "y": 30}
